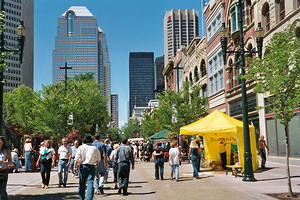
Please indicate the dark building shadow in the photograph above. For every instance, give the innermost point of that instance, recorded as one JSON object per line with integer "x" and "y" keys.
{"x": 261, "y": 170}
{"x": 274, "y": 179}
{"x": 56, "y": 196}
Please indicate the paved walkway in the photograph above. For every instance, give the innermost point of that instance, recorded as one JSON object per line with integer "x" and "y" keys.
{"x": 212, "y": 185}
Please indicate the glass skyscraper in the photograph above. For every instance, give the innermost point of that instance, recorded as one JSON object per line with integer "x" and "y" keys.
{"x": 15, "y": 12}
{"x": 82, "y": 44}
{"x": 141, "y": 79}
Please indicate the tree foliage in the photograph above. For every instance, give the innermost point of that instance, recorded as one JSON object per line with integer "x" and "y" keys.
{"x": 132, "y": 129}
{"x": 186, "y": 107}
{"x": 46, "y": 112}
{"x": 277, "y": 74}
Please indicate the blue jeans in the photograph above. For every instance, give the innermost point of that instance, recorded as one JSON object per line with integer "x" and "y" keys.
{"x": 123, "y": 171}
{"x": 72, "y": 167}
{"x": 99, "y": 170}
{"x": 107, "y": 170}
{"x": 176, "y": 169}
{"x": 3, "y": 183}
{"x": 86, "y": 174}
{"x": 17, "y": 165}
{"x": 159, "y": 165}
{"x": 194, "y": 160}
{"x": 28, "y": 161}
{"x": 62, "y": 166}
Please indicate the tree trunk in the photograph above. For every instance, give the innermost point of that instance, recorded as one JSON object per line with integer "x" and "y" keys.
{"x": 286, "y": 128}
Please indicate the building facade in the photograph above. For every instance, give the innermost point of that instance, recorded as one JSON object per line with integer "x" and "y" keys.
{"x": 173, "y": 71}
{"x": 159, "y": 67}
{"x": 18, "y": 74}
{"x": 180, "y": 27}
{"x": 194, "y": 67}
{"x": 214, "y": 12}
{"x": 115, "y": 110}
{"x": 141, "y": 79}
{"x": 82, "y": 44}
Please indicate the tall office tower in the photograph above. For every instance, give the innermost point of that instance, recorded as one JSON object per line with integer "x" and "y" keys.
{"x": 180, "y": 27}
{"x": 15, "y": 12}
{"x": 82, "y": 44}
{"x": 104, "y": 67}
{"x": 141, "y": 79}
{"x": 159, "y": 68}
{"x": 115, "y": 110}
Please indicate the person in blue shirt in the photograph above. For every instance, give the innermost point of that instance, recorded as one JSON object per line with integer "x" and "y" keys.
{"x": 101, "y": 169}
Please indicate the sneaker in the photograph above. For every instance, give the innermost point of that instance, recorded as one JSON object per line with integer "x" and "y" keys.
{"x": 120, "y": 190}
{"x": 64, "y": 185}
{"x": 46, "y": 187}
{"x": 59, "y": 185}
{"x": 97, "y": 193}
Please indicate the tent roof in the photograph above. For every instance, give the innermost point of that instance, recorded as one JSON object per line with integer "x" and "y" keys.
{"x": 163, "y": 134}
{"x": 215, "y": 122}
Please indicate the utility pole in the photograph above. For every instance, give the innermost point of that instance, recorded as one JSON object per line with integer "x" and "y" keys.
{"x": 66, "y": 74}
{"x": 66, "y": 84}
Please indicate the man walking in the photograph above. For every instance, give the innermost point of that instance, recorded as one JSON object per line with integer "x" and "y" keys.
{"x": 159, "y": 161}
{"x": 65, "y": 154}
{"x": 101, "y": 169}
{"x": 108, "y": 152}
{"x": 74, "y": 150}
{"x": 124, "y": 156}
{"x": 262, "y": 146}
{"x": 87, "y": 158}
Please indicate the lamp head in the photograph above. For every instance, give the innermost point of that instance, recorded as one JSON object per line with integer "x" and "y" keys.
{"x": 259, "y": 32}
{"x": 224, "y": 31}
{"x": 21, "y": 29}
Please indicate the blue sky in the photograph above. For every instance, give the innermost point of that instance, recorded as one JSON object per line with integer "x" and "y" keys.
{"x": 130, "y": 25}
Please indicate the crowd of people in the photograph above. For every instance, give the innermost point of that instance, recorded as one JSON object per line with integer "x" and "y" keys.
{"x": 91, "y": 160}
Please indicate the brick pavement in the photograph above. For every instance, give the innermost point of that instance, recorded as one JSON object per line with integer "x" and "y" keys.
{"x": 212, "y": 185}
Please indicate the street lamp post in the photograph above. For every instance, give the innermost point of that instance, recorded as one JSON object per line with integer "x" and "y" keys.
{"x": 248, "y": 170}
{"x": 21, "y": 39}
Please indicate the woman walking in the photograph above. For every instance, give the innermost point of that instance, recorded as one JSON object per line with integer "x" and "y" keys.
{"x": 28, "y": 155}
{"x": 194, "y": 157}
{"x": 46, "y": 160}
{"x": 115, "y": 165}
{"x": 174, "y": 159}
{"x": 5, "y": 160}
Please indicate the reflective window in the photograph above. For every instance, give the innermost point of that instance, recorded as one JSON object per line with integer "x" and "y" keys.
{"x": 70, "y": 24}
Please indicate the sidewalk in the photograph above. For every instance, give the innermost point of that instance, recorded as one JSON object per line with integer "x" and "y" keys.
{"x": 211, "y": 186}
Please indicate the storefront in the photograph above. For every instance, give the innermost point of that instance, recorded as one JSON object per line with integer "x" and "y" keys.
{"x": 276, "y": 136}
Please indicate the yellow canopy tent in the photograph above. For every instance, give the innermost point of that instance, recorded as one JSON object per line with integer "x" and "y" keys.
{"x": 218, "y": 125}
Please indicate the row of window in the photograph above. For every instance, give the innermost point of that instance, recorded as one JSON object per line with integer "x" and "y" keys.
{"x": 214, "y": 26}
{"x": 196, "y": 73}
{"x": 12, "y": 12}
{"x": 13, "y": 78}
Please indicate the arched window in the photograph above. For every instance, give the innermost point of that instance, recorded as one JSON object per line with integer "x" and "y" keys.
{"x": 196, "y": 74}
{"x": 249, "y": 11}
{"x": 204, "y": 91}
{"x": 203, "y": 68}
{"x": 266, "y": 16}
{"x": 191, "y": 78}
{"x": 70, "y": 24}
{"x": 186, "y": 79}
{"x": 280, "y": 7}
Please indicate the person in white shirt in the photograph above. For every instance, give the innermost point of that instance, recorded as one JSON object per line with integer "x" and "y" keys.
{"x": 28, "y": 149}
{"x": 65, "y": 155}
{"x": 15, "y": 159}
{"x": 87, "y": 158}
{"x": 174, "y": 159}
{"x": 46, "y": 160}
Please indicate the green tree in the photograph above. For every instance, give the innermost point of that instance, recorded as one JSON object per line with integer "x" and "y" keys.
{"x": 150, "y": 124}
{"x": 115, "y": 134}
{"x": 20, "y": 108}
{"x": 185, "y": 106}
{"x": 131, "y": 128}
{"x": 84, "y": 77}
{"x": 278, "y": 75}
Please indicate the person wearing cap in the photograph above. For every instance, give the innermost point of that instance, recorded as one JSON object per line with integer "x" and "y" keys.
{"x": 28, "y": 149}
{"x": 15, "y": 159}
{"x": 87, "y": 159}
{"x": 101, "y": 169}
